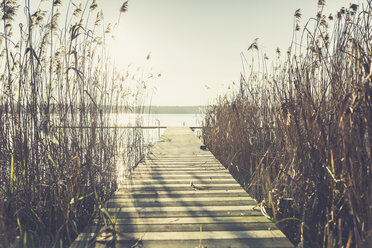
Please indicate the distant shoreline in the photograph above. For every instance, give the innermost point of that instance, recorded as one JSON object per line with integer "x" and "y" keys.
{"x": 125, "y": 109}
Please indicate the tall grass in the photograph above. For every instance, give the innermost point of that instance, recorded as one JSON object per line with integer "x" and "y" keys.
{"x": 300, "y": 138}
{"x": 52, "y": 178}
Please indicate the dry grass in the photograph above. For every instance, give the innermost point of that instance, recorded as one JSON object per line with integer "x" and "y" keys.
{"x": 300, "y": 138}
{"x": 52, "y": 180}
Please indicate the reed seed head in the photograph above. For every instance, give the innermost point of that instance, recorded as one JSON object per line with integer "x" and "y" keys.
{"x": 298, "y": 14}
{"x": 354, "y": 7}
{"x": 57, "y": 2}
{"x": 93, "y": 6}
{"x": 124, "y": 7}
{"x": 78, "y": 9}
{"x": 321, "y": 2}
{"x": 9, "y": 9}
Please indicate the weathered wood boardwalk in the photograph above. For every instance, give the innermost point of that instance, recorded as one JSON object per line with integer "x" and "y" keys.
{"x": 181, "y": 196}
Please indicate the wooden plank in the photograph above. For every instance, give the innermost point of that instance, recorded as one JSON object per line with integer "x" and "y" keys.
{"x": 181, "y": 170}
{"x": 180, "y": 209}
{"x": 148, "y": 195}
{"x": 193, "y": 220}
{"x": 173, "y": 175}
{"x": 179, "y": 203}
{"x": 182, "y": 167}
{"x": 184, "y": 161}
{"x": 207, "y": 155}
{"x": 175, "y": 227}
{"x": 125, "y": 191}
{"x": 182, "y": 173}
{"x": 172, "y": 162}
{"x": 216, "y": 235}
{"x": 170, "y": 190}
{"x": 186, "y": 185}
{"x": 210, "y": 243}
{"x": 181, "y": 199}
{"x": 189, "y": 213}
{"x": 235, "y": 243}
{"x": 182, "y": 180}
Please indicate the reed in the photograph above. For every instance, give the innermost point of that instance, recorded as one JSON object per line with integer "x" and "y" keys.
{"x": 298, "y": 138}
{"x": 51, "y": 179}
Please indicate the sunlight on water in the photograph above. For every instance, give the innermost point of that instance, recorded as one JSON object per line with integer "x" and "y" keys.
{"x": 129, "y": 119}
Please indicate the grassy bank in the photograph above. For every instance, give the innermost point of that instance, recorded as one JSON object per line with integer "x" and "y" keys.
{"x": 299, "y": 138}
{"x": 52, "y": 180}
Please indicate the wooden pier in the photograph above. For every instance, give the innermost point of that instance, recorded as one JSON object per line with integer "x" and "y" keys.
{"x": 181, "y": 196}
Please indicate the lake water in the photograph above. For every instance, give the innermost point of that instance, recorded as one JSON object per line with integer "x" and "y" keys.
{"x": 190, "y": 120}
{"x": 155, "y": 120}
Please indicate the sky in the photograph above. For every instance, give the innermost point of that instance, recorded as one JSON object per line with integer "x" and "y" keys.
{"x": 196, "y": 45}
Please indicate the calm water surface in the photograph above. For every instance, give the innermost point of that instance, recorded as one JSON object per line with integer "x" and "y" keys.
{"x": 154, "y": 120}
{"x": 194, "y": 120}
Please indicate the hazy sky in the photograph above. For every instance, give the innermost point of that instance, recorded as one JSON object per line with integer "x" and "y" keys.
{"x": 196, "y": 44}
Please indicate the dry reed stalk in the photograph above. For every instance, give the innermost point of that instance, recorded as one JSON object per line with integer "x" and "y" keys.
{"x": 51, "y": 179}
{"x": 300, "y": 138}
